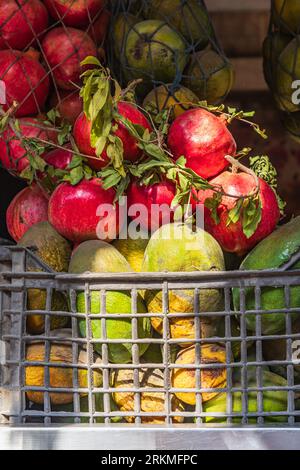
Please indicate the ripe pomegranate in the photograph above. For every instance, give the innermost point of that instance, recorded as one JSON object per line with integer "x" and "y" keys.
{"x": 82, "y": 133}
{"x": 204, "y": 140}
{"x": 68, "y": 104}
{"x": 65, "y": 48}
{"x": 20, "y": 22}
{"x": 156, "y": 203}
{"x": 231, "y": 237}
{"x": 29, "y": 207}
{"x": 74, "y": 211}
{"x": 59, "y": 158}
{"x": 26, "y": 82}
{"x": 76, "y": 13}
{"x": 99, "y": 28}
{"x": 13, "y": 155}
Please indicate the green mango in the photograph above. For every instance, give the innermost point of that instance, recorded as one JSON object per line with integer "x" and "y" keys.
{"x": 272, "y": 253}
{"x": 100, "y": 257}
{"x": 177, "y": 248}
{"x": 273, "y": 401}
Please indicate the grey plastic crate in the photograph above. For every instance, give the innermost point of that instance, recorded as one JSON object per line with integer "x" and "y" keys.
{"x": 28, "y": 425}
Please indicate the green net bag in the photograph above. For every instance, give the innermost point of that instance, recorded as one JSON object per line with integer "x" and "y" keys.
{"x": 171, "y": 46}
{"x": 281, "y": 52}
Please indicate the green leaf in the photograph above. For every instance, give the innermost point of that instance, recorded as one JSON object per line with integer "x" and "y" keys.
{"x": 181, "y": 161}
{"x": 76, "y": 161}
{"x": 252, "y": 215}
{"x": 234, "y": 214}
{"x": 75, "y": 176}
{"x": 212, "y": 204}
{"x": 91, "y": 60}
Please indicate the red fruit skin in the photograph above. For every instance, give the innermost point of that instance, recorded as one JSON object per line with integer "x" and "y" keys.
{"x": 59, "y": 158}
{"x": 204, "y": 140}
{"x": 19, "y": 25}
{"x": 99, "y": 28}
{"x": 73, "y": 210}
{"x": 26, "y": 82}
{"x": 82, "y": 132}
{"x": 65, "y": 49}
{"x": 76, "y": 13}
{"x": 232, "y": 238}
{"x": 12, "y": 154}
{"x": 161, "y": 193}
{"x": 29, "y": 207}
{"x": 69, "y": 105}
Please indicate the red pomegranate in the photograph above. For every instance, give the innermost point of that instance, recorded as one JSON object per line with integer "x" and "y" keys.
{"x": 77, "y": 13}
{"x": 82, "y": 133}
{"x": 28, "y": 207}
{"x": 68, "y": 104}
{"x": 26, "y": 82}
{"x": 65, "y": 49}
{"x": 204, "y": 140}
{"x": 59, "y": 158}
{"x": 155, "y": 204}
{"x": 20, "y": 22}
{"x": 231, "y": 237}
{"x": 76, "y": 212}
{"x": 98, "y": 29}
{"x": 12, "y": 153}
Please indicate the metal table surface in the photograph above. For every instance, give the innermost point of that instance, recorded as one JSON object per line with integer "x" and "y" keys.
{"x": 126, "y": 437}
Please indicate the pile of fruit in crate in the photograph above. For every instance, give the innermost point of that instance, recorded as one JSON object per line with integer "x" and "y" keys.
{"x": 96, "y": 145}
{"x": 281, "y": 62}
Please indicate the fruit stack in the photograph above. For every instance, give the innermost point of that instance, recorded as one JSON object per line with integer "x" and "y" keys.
{"x": 113, "y": 170}
{"x": 171, "y": 46}
{"x": 281, "y": 53}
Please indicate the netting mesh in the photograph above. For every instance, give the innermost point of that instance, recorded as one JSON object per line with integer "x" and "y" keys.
{"x": 172, "y": 47}
{"x": 281, "y": 53}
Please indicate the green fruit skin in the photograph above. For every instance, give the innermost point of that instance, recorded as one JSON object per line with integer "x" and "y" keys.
{"x": 100, "y": 257}
{"x": 209, "y": 76}
{"x": 162, "y": 58}
{"x": 122, "y": 25}
{"x": 286, "y": 15}
{"x": 273, "y": 46}
{"x": 55, "y": 252}
{"x": 288, "y": 70}
{"x": 49, "y": 245}
{"x": 175, "y": 248}
{"x": 189, "y": 18}
{"x": 116, "y": 303}
{"x": 272, "y": 253}
{"x": 273, "y": 401}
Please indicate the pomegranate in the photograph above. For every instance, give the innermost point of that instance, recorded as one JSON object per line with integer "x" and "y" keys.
{"x": 20, "y": 22}
{"x": 204, "y": 140}
{"x": 98, "y": 29}
{"x": 156, "y": 203}
{"x": 74, "y": 211}
{"x": 59, "y": 158}
{"x": 68, "y": 104}
{"x": 65, "y": 48}
{"x": 231, "y": 237}
{"x": 77, "y": 13}
{"x": 26, "y": 82}
{"x": 13, "y": 155}
{"x": 29, "y": 207}
{"x": 82, "y": 133}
